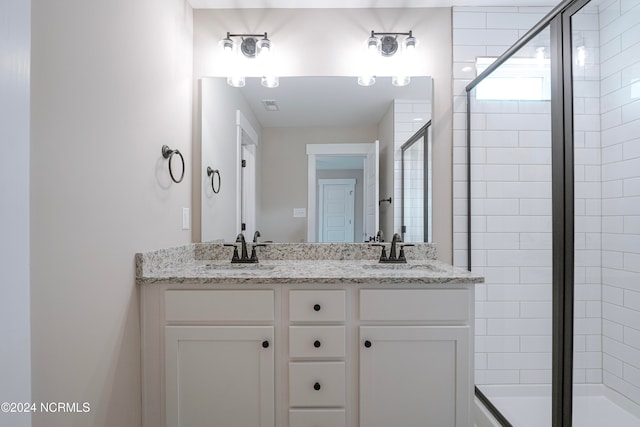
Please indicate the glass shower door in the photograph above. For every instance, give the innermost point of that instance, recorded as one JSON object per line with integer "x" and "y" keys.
{"x": 511, "y": 233}
{"x": 605, "y": 73}
{"x": 416, "y": 187}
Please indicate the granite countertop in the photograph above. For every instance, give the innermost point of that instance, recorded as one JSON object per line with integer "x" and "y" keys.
{"x": 311, "y": 263}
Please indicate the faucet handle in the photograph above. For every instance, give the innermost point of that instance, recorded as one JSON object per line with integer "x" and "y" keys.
{"x": 402, "y": 257}
{"x": 383, "y": 255}
{"x": 235, "y": 256}
{"x": 254, "y": 255}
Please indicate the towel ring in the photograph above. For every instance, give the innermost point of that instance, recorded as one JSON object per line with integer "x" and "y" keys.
{"x": 212, "y": 173}
{"x": 168, "y": 153}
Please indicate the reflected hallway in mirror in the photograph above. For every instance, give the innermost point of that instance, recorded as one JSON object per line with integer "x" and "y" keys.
{"x": 304, "y": 111}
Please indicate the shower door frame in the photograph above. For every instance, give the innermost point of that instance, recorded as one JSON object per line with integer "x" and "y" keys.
{"x": 422, "y": 133}
{"x": 562, "y": 165}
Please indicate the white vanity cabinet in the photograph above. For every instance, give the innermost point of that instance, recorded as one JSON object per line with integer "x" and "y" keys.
{"x": 217, "y": 363}
{"x": 415, "y": 366}
{"x": 219, "y": 375}
{"x": 307, "y": 355}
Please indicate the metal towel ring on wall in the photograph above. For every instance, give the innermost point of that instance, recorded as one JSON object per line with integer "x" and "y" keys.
{"x": 168, "y": 153}
{"x": 212, "y": 173}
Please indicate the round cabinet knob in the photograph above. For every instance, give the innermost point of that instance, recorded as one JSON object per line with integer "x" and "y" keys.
{"x": 367, "y": 343}
{"x": 317, "y": 307}
{"x": 317, "y": 344}
{"x": 265, "y": 344}
{"x": 316, "y": 386}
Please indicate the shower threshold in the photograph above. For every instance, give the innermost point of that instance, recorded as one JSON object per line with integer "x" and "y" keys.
{"x": 595, "y": 405}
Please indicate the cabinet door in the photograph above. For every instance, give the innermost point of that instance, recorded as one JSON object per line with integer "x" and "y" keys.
{"x": 219, "y": 376}
{"x": 414, "y": 376}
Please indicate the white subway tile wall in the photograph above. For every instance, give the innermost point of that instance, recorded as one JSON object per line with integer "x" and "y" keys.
{"x": 588, "y": 199}
{"x": 413, "y": 197}
{"x": 619, "y": 27}
{"x": 511, "y": 204}
{"x": 511, "y": 201}
{"x": 405, "y": 126}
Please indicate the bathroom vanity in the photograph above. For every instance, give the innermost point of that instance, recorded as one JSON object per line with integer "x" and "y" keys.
{"x": 315, "y": 335}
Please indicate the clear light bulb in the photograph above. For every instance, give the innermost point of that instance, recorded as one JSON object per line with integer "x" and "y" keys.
{"x": 366, "y": 80}
{"x": 270, "y": 81}
{"x": 236, "y": 81}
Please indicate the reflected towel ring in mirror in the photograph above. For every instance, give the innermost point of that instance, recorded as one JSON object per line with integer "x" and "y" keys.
{"x": 168, "y": 153}
{"x": 212, "y": 173}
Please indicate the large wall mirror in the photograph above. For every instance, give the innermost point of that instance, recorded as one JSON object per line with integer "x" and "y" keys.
{"x": 317, "y": 159}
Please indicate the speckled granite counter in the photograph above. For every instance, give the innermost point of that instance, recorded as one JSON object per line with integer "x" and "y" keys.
{"x": 313, "y": 263}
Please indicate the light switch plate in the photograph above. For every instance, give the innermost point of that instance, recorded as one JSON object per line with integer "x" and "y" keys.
{"x": 299, "y": 212}
{"x": 186, "y": 217}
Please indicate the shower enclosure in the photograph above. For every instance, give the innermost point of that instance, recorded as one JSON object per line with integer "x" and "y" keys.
{"x": 553, "y": 131}
{"x": 416, "y": 189}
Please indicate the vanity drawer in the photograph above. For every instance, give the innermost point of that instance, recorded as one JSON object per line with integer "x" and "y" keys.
{"x": 219, "y": 305}
{"x": 316, "y": 384}
{"x": 316, "y": 341}
{"x": 317, "y": 418}
{"x": 317, "y": 306}
{"x": 415, "y": 304}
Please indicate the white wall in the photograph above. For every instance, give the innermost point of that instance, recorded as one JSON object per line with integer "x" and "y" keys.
{"x": 387, "y": 152}
{"x": 284, "y": 175}
{"x": 219, "y": 151}
{"x": 111, "y": 83}
{"x": 15, "y": 351}
{"x": 620, "y": 73}
{"x": 296, "y": 34}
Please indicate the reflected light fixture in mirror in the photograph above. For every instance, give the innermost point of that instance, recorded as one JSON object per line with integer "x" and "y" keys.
{"x": 387, "y": 46}
{"x": 253, "y": 47}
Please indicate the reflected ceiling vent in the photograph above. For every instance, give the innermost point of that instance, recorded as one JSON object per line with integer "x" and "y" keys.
{"x": 270, "y": 105}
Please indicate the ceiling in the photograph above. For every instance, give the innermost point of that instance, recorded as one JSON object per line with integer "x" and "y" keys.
{"x": 329, "y": 101}
{"x": 335, "y": 4}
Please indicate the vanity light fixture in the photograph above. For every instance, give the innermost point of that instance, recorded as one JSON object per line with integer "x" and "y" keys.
{"x": 386, "y": 45}
{"x": 252, "y": 46}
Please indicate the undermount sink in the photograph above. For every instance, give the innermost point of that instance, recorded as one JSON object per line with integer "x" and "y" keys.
{"x": 409, "y": 266}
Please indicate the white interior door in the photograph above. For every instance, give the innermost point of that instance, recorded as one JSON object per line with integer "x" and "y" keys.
{"x": 337, "y": 206}
{"x": 371, "y": 185}
{"x": 372, "y": 191}
{"x": 248, "y": 189}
